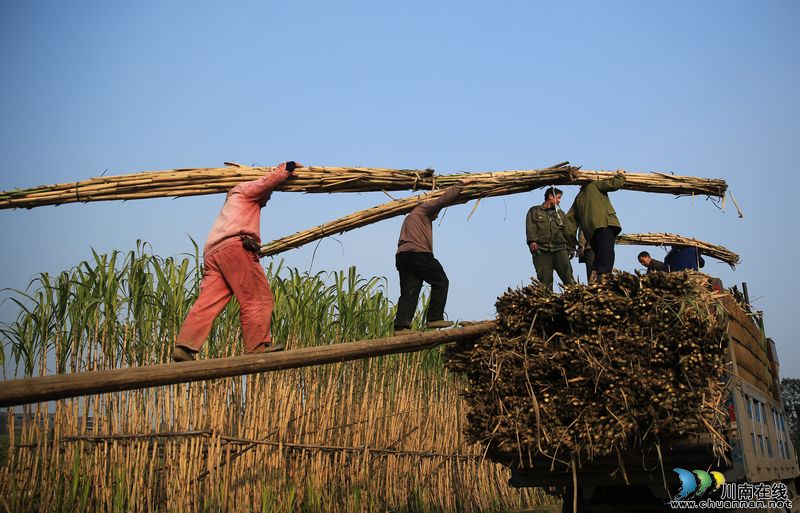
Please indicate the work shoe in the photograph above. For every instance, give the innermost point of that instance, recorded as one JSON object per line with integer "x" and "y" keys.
{"x": 266, "y": 347}
{"x": 439, "y": 324}
{"x": 181, "y": 354}
{"x": 402, "y": 331}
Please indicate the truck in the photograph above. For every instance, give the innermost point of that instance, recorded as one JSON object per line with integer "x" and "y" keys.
{"x": 759, "y": 449}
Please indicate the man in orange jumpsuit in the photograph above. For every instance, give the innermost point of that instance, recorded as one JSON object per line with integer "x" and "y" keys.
{"x": 231, "y": 267}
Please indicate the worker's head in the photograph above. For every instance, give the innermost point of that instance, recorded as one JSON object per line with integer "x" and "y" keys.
{"x": 644, "y": 258}
{"x": 552, "y": 197}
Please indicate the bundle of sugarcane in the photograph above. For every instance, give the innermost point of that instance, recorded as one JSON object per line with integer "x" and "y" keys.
{"x": 564, "y": 174}
{"x": 496, "y": 184}
{"x": 199, "y": 181}
{"x": 598, "y": 369}
{"x": 670, "y": 239}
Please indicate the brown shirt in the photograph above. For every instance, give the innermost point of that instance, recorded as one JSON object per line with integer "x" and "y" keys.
{"x": 416, "y": 235}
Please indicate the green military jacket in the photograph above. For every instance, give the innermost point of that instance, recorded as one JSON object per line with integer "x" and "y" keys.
{"x": 592, "y": 209}
{"x": 545, "y": 227}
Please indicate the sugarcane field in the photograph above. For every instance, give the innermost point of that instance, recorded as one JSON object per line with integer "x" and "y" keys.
{"x": 399, "y": 258}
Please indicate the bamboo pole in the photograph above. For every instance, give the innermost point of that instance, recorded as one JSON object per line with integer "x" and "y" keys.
{"x": 670, "y": 239}
{"x": 496, "y": 184}
{"x": 313, "y": 179}
{"x": 60, "y": 386}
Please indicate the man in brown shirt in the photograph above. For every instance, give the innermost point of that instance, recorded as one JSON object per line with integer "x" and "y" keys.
{"x": 415, "y": 262}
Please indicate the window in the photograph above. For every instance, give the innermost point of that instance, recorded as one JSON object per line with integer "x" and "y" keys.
{"x": 749, "y": 406}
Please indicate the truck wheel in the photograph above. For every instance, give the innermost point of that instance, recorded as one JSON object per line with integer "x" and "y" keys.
{"x": 567, "y": 498}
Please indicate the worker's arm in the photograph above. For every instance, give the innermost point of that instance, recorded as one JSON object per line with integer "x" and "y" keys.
{"x": 612, "y": 184}
{"x": 531, "y": 230}
{"x": 668, "y": 260}
{"x": 432, "y": 207}
{"x": 571, "y": 227}
{"x": 258, "y": 189}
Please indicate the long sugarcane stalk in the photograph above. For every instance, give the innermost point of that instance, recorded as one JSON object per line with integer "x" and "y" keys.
{"x": 496, "y": 184}
{"x": 571, "y": 175}
{"x": 312, "y": 179}
{"x": 200, "y": 181}
{"x": 670, "y": 239}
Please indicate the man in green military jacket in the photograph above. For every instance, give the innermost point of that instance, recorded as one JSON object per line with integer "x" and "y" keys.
{"x": 593, "y": 213}
{"x": 544, "y": 228}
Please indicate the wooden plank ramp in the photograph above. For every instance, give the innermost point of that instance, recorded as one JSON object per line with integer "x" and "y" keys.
{"x": 61, "y": 386}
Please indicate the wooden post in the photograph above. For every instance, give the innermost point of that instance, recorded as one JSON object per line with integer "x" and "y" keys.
{"x": 47, "y": 388}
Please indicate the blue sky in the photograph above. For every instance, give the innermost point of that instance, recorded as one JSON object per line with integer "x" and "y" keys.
{"x": 696, "y": 88}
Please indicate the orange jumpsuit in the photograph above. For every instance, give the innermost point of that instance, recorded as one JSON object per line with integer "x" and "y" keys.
{"x": 229, "y": 269}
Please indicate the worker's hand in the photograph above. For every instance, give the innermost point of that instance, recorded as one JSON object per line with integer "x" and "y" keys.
{"x": 466, "y": 181}
{"x": 289, "y": 166}
{"x": 533, "y": 247}
{"x": 620, "y": 171}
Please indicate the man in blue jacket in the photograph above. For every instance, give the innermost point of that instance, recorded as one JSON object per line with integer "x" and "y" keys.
{"x": 681, "y": 258}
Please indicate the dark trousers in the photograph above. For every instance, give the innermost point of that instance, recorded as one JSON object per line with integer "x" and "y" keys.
{"x": 588, "y": 260}
{"x": 414, "y": 268}
{"x": 546, "y": 261}
{"x": 603, "y": 246}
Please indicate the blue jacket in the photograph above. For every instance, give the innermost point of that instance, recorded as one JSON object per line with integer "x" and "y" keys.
{"x": 682, "y": 258}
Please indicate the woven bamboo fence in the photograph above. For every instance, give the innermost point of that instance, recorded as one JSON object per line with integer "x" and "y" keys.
{"x": 670, "y": 239}
{"x": 497, "y": 184}
{"x": 312, "y": 179}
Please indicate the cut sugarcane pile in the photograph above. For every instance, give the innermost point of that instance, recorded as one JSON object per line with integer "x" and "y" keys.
{"x": 598, "y": 368}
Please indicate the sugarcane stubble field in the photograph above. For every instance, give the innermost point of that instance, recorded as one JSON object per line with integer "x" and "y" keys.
{"x": 396, "y": 433}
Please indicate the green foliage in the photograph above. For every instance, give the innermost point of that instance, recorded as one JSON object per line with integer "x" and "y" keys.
{"x": 129, "y": 307}
{"x": 126, "y": 308}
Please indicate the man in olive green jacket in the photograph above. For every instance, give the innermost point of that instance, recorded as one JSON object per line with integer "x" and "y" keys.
{"x": 544, "y": 229}
{"x": 593, "y": 213}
